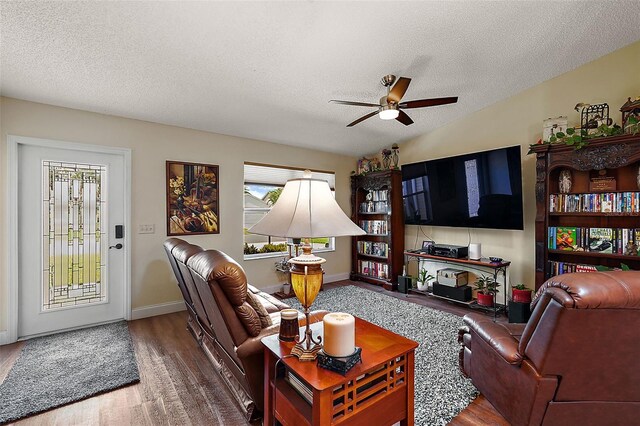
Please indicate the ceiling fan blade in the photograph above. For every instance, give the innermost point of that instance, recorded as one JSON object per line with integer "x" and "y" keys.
{"x": 364, "y": 104}
{"x": 364, "y": 117}
{"x": 404, "y": 118}
{"x": 398, "y": 90}
{"x": 421, "y": 103}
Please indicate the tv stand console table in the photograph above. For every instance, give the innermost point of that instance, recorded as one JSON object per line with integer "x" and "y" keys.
{"x": 482, "y": 265}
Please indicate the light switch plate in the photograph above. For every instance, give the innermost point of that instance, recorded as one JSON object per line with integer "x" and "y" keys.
{"x": 146, "y": 229}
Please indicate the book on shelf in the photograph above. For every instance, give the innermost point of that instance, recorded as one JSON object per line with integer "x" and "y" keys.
{"x": 601, "y": 240}
{"x": 607, "y": 202}
{"x": 307, "y": 393}
{"x": 566, "y": 238}
{"x": 373, "y": 269}
{"x": 624, "y": 241}
{"x": 373, "y": 248}
{"x": 559, "y": 268}
{"x": 380, "y": 195}
{"x": 303, "y": 390}
{"x": 375, "y": 227}
{"x": 374, "y": 207}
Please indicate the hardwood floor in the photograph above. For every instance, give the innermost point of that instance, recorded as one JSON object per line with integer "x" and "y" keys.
{"x": 178, "y": 387}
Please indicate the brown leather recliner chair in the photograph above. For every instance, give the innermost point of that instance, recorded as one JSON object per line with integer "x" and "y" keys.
{"x": 232, "y": 317}
{"x": 185, "y": 251}
{"x": 574, "y": 362}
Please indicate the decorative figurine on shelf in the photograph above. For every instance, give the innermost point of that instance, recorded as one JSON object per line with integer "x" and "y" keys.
{"x": 594, "y": 116}
{"x": 370, "y": 208}
{"x": 631, "y": 249}
{"x": 565, "y": 181}
{"x": 395, "y": 148}
{"x": 551, "y": 126}
{"x": 366, "y": 165}
{"x": 631, "y": 116}
{"x": 386, "y": 158}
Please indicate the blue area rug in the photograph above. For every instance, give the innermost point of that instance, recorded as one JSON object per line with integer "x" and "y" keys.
{"x": 441, "y": 391}
{"x": 55, "y": 370}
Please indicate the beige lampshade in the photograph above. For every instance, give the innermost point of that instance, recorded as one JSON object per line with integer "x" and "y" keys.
{"x": 306, "y": 209}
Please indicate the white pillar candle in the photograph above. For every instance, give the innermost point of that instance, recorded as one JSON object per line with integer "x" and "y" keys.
{"x": 339, "y": 334}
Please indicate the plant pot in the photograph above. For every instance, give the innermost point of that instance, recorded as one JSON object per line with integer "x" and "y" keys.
{"x": 485, "y": 299}
{"x": 286, "y": 289}
{"x": 422, "y": 286}
{"x": 521, "y": 296}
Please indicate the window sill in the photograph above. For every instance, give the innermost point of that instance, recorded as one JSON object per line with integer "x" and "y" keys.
{"x": 280, "y": 254}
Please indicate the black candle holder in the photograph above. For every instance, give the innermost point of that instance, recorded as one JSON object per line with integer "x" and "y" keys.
{"x": 340, "y": 364}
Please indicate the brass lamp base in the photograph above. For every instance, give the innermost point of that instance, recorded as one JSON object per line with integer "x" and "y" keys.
{"x": 304, "y": 354}
{"x": 307, "y": 348}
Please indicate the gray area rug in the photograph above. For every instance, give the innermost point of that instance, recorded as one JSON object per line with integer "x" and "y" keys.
{"x": 441, "y": 392}
{"x": 62, "y": 368}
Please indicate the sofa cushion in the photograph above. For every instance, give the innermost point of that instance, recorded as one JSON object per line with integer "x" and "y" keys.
{"x": 249, "y": 319}
{"x": 253, "y": 300}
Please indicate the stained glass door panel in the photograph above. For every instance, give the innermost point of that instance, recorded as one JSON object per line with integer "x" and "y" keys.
{"x": 69, "y": 201}
{"x": 73, "y": 240}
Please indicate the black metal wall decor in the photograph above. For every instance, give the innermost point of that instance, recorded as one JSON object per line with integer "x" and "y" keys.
{"x": 593, "y": 116}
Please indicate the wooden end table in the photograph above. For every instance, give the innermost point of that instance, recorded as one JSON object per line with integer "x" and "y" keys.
{"x": 379, "y": 390}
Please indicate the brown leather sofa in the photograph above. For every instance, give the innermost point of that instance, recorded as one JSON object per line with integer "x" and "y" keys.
{"x": 575, "y": 362}
{"x": 228, "y": 317}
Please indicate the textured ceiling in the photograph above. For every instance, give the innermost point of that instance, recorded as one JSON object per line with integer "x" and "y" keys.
{"x": 266, "y": 70}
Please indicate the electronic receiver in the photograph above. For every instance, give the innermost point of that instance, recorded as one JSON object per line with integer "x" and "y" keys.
{"x": 448, "y": 250}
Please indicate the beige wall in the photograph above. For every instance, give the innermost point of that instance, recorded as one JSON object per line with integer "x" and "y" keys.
{"x": 514, "y": 121}
{"x": 152, "y": 144}
{"x": 518, "y": 121}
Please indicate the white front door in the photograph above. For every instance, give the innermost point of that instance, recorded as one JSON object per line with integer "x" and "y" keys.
{"x": 71, "y": 265}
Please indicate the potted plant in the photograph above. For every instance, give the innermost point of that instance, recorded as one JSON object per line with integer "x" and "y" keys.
{"x": 487, "y": 287}
{"x": 423, "y": 280}
{"x": 520, "y": 294}
{"x": 286, "y": 288}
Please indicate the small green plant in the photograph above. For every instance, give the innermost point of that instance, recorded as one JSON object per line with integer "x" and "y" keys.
{"x": 602, "y": 268}
{"x": 267, "y": 248}
{"x": 486, "y": 285}
{"x": 423, "y": 276}
{"x": 603, "y": 131}
{"x": 520, "y": 287}
{"x": 571, "y": 138}
{"x": 579, "y": 138}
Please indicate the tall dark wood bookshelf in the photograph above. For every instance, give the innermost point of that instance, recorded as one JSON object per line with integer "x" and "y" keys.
{"x": 616, "y": 158}
{"x": 376, "y": 205}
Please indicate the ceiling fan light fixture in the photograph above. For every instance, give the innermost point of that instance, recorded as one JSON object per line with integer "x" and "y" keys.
{"x": 388, "y": 112}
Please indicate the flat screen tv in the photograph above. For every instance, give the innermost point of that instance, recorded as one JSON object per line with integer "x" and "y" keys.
{"x": 479, "y": 190}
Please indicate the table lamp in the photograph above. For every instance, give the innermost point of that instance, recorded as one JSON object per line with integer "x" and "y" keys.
{"x": 306, "y": 209}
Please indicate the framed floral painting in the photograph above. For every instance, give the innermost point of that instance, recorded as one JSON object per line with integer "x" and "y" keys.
{"x": 192, "y": 199}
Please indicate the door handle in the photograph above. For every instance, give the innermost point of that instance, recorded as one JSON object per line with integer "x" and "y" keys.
{"x": 117, "y": 246}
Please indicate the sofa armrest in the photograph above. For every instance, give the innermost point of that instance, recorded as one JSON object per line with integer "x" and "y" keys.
{"x": 497, "y": 336}
{"x": 252, "y": 345}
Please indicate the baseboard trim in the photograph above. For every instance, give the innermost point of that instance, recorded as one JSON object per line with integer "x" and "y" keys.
{"x": 159, "y": 309}
{"x": 4, "y": 338}
{"x": 336, "y": 277}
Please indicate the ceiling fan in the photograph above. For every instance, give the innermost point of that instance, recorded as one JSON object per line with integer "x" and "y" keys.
{"x": 390, "y": 106}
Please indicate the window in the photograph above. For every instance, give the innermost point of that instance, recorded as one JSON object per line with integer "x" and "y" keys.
{"x": 417, "y": 199}
{"x": 262, "y": 187}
